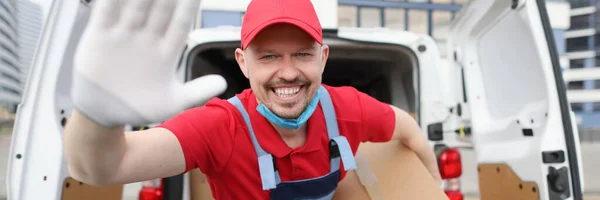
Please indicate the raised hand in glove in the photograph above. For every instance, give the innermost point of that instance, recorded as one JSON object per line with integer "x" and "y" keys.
{"x": 125, "y": 64}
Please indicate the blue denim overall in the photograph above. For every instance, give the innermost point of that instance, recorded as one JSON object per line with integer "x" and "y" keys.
{"x": 319, "y": 188}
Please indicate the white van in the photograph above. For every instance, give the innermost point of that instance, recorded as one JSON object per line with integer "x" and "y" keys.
{"x": 501, "y": 91}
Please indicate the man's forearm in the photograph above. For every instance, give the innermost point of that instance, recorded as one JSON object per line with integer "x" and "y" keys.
{"x": 425, "y": 153}
{"x": 93, "y": 152}
{"x": 422, "y": 148}
{"x": 408, "y": 132}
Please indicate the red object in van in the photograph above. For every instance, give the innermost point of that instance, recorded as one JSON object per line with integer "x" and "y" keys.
{"x": 450, "y": 163}
{"x": 152, "y": 190}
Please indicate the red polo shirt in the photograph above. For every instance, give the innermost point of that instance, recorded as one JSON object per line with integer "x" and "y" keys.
{"x": 215, "y": 139}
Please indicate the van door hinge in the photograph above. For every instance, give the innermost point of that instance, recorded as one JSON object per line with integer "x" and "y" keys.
{"x": 558, "y": 183}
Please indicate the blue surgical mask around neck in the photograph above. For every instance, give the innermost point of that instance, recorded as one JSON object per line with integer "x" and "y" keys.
{"x": 292, "y": 124}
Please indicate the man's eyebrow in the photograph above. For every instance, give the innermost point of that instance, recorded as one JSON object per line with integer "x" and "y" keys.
{"x": 307, "y": 48}
{"x": 259, "y": 50}
{"x": 266, "y": 50}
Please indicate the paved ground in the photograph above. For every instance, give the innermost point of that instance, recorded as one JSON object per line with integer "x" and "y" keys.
{"x": 469, "y": 181}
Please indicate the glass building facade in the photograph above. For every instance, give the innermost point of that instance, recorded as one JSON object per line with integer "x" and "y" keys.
{"x": 432, "y": 17}
{"x": 30, "y": 25}
{"x": 10, "y": 67}
{"x": 583, "y": 45}
{"x": 20, "y": 25}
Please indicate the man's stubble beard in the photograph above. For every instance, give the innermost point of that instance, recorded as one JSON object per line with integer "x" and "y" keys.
{"x": 284, "y": 107}
{"x": 289, "y": 106}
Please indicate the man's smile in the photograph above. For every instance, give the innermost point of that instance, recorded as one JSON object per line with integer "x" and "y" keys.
{"x": 287, "y": 93}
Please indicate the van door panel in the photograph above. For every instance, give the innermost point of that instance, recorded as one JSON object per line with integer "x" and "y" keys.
{"x": 37, "y": 168}
{"x": 520, "y": 119}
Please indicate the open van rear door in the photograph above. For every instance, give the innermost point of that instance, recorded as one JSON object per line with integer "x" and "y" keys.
{"x": 522, "y": 130}
{"x": 37, "y": 168}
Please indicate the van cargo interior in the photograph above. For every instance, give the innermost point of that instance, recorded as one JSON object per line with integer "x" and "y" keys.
{"x": 385, "y": 72}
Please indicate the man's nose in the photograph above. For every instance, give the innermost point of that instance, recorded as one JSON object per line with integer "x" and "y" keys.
{"x": 288, "y": 70}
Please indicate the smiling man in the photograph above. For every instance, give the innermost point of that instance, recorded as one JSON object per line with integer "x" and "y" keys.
{"x": 289, "y": 136}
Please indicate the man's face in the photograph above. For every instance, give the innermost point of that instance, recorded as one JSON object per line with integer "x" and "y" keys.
{"x": 284, "y": 65}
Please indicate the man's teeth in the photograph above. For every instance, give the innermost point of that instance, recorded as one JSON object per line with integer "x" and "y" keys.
{"x": 286, "y": 92}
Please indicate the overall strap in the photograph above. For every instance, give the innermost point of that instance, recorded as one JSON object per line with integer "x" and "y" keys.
{"x": 345, "y": 152}
{"x": 265, "y": 160}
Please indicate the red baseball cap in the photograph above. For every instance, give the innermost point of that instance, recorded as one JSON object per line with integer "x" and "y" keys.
{"x": 263, "y": 13}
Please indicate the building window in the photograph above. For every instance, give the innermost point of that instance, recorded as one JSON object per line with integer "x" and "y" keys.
{"x": 2, "y": 32}
{"x": 597, "y": 61}
{"x": 596, "y": 106}
{"x": 577, "y": 44}
{"x": 370, "y": 17}
{"x": 575, "y": 85}
{"x": 6, "y": 22}
{"x": 5, "y": 7}
{"x": 9, "y": 50}
{"x": 576, "y": 64}
{"x": 395, "y": 18}
{"x": 9, "y": 63}
{"x": 9, "y": 90}
{"x": 597, "y": 41}
{"x": 597, "y": 84}
{"x": 580, "y": 22}
{"x": 580, "y": 3}
{"x": 347, "y": 16}
{"x": 418, "y": 21}
{"x": 577, "y": 107}
{"x": 13, "y": 79}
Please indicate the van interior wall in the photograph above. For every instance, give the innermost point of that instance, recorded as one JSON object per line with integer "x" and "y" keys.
{"x": 383, "y": 73}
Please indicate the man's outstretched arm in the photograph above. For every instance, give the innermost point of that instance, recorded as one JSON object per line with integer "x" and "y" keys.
{"x": 101, "y": 156}
{"x": 124, "y": 73}
{"x": 408, "y": 132}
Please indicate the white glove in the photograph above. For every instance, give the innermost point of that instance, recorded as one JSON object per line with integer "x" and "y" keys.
{"x": 125, "y": 64}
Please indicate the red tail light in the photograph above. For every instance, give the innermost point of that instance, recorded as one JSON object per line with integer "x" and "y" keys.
{"x": 450, "y": 164}
{"x": 152, "y": 190}
{"x": 454, "y": 195}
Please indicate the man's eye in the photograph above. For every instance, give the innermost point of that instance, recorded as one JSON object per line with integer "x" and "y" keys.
{"x": 268, "y": 57}
{"x": 303, "y": 54}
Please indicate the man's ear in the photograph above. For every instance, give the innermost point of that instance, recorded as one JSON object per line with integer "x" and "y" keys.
{"x": 324, "y": 56}
{"x": 241, "y": 60}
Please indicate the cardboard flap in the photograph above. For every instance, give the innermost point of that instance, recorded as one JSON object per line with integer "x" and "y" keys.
{"x": 75, "y": 190}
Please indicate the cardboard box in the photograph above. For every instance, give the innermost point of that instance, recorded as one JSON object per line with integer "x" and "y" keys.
{"x": 388, "y": 171}
{"x": 385, "y": 171}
